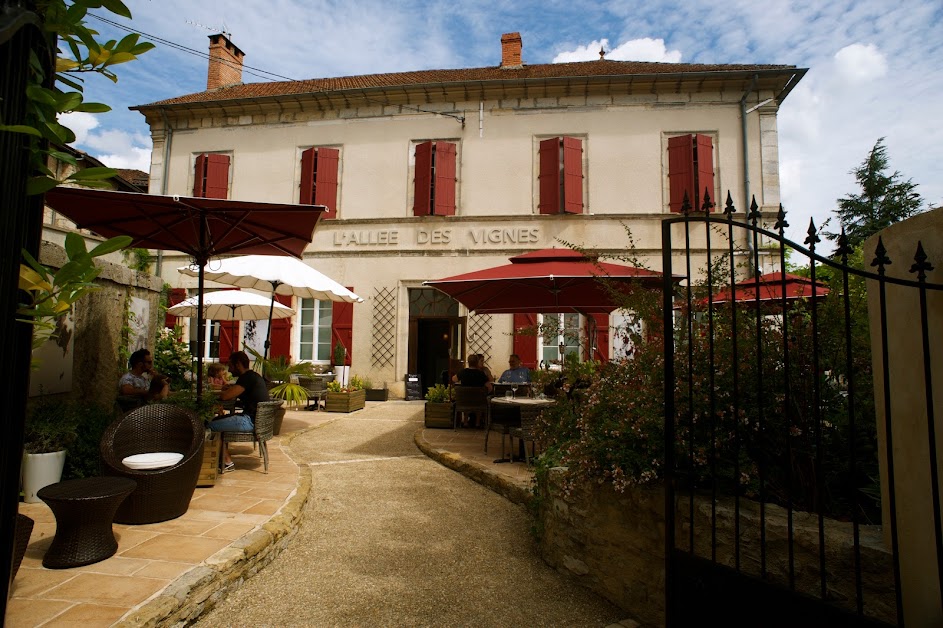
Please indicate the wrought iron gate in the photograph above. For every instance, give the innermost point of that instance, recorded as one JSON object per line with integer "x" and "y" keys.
{"x": 781, "y": 507}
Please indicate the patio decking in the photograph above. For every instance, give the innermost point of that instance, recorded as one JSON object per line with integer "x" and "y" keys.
{"x": 161, "y": 557}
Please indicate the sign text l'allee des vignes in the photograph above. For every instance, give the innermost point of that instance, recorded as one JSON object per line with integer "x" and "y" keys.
{"x": 474, "y": 236}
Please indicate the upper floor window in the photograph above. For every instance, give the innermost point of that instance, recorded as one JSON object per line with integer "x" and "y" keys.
{"x": 690, "y": 170}
{"x": 561, "y": 175}
{"x": 434, "y": 177}
{"x": 319, "y": 178}
{"x": 211, "y": 175}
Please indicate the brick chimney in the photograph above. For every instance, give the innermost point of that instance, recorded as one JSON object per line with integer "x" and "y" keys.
{"x": 225, "y": 63}
{"x": 511, "y": 50}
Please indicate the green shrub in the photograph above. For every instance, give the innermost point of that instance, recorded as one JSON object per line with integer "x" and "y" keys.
{"x": 84, "y": 457}
{"x": 438, "y": 394}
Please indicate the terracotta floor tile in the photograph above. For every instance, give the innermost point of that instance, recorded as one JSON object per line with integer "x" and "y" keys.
{"x": 32, "y": 582}
{"x": 173, "y": 547}
{"x": 189, "y": 527}
{"x": 230, "y": 531}
{"x": 266, "y": 507}
{"x": 29, "y": 613}
{"x": 129, "y": 537}
{"x": 116, "y": 566}
{"x": 90, "y": 615}
{"x": 269, "y": 493}
{"x": 163, "y": 569}
{"x": 225, "y": 503}
{"x": 106, "y": 589}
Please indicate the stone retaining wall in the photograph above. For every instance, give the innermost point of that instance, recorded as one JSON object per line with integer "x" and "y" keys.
{"x": 615, "y": 544}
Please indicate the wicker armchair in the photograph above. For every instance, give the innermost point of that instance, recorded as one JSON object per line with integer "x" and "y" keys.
{"x": 161, "y": 494}
{"x": 526, "y": 432}
{"x": 264, "y": 429}
{"x": 470, "y": 399}
{"x": 316, "y": 387}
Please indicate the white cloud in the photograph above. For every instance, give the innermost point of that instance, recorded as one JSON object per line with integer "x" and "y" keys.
{"x": 644, "y": 49}
{"x": 112, "y": 147}
{"x": 860, "y": 63}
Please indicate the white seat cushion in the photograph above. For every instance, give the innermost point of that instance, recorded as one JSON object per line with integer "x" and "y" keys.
{"x": 156, "y": 460}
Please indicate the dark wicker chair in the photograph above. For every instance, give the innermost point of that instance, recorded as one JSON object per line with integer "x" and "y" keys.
{"x": 264, "y": 429}
{"x": 526, "y": 432}
{"x": 161, "y": 494}
{"x": 316, "y": 387}
{"x": 470, "y": 399}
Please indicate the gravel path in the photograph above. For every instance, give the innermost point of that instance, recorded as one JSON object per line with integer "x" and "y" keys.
{"x": 391, "y": 538}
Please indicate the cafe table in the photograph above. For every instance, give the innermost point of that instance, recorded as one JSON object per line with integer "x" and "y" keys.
{"x": 528, "y": 408}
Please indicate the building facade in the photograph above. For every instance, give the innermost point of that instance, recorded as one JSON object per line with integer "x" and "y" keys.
{"x": 433, "y": 173}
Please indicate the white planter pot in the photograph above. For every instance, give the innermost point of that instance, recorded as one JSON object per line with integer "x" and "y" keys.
{"x": 41, "y": 470}
{"x": 342, "y": 374}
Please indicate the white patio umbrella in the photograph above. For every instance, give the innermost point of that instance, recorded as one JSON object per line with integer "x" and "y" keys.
{"x": 231, "y": 305}
{"x": 280, "y": 275}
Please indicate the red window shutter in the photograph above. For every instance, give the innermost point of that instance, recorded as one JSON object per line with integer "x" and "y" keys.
{"x": 549, "y": 180}
{"x": 423, "y": 178}
{"x": 342, "y": 327}
{"x": 280, "y": 338}
{"x": 217, "y": 176}
{"x": 602, "y": 337}
{"x": 228, "y": 339}
{"x": 680, "y": 171}
{"x": 176, "y": 296}
{"x": 705, "y": 169}
{"x": 199, "y": 176}
{"x": 325, "y": 188}
{"x": 445, "y": 157}
{"x": 572, "y": 175}
{"x": 525, "y": 345}
{"x": 306, "y": 194}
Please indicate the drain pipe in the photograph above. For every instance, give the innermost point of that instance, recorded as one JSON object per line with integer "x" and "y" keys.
{"x": 746, "y": 166}
{"x": 168, "y": 138}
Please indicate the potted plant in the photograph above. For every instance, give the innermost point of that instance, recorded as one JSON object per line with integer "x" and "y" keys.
{"x": 341, "y": 370}
{"x": 347, "y": 398}
{"x": 50, "y": 427}
{"x": 278, "y": 372}
{"x": 374, "y": 394}
{"x": 438, "y": 406}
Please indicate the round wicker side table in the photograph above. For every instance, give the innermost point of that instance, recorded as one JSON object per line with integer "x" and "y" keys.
{"x": 84, "y": 511}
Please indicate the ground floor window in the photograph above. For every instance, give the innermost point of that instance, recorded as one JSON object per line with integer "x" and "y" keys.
{"x": 626, "y": 334}
{"x": 315, "y": 331}
{"x": 211, "y": 339}
{"x": 559, "y": 336}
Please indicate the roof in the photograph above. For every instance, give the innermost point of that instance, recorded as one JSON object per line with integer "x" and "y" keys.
{"x": 137, "y": 178}
{"x": 599, "y": 69}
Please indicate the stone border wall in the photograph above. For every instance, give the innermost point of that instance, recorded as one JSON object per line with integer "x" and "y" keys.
{"x": 614, "y": 544}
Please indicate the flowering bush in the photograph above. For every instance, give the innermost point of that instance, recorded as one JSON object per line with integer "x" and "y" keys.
{"x": 172, "y": 357}
{"x": 739, "y": 428}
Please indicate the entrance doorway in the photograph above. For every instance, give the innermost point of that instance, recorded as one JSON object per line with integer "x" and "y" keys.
{"x": 436, "y": 336}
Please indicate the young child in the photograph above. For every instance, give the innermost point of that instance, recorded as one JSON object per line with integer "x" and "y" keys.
{"x": 216, "y": 376}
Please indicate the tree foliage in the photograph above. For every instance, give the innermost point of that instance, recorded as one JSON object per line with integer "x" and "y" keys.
{"x": 884, "y": 199}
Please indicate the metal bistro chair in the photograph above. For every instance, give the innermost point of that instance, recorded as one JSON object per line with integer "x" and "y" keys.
{"x": 470, "y": 399}
{"x": 316, "y": 387}
{"x": 264, "y": 424}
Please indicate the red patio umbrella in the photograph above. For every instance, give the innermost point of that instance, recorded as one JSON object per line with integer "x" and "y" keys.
{"x": 200, "y": 227}
{"x": 772, "y": 288}
{"x": 547, "y": 280}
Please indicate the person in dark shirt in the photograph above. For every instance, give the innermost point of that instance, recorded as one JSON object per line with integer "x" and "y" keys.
{"x": 472, "y": 375}
{"x": 251, "y": 390}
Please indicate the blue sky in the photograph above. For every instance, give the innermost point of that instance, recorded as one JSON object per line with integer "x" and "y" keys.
{"x": 873, "y": 65}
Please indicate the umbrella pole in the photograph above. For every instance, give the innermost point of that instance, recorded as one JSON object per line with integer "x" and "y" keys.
{"x": 200, "y": 334}
{"x": 268, "y": 330}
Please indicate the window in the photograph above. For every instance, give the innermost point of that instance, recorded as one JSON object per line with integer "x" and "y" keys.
{"x": 434, "y": 178}
{"x": 211, "y": 176}
{"x": 315, "y": 332}
{"x": 690, "y": 171}
{"x": 566, "y": 340}
{"x": 560, "y": 177}
{"x": 627, "y": 332}
{"x": 319, "y": 178}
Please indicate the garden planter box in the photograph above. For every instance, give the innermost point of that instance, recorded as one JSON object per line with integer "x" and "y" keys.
{"x": 377, "y": 394}
{"x": 438, "y": 414}
{"x": 210, "y": 466}
{"x": 345, "y": 401}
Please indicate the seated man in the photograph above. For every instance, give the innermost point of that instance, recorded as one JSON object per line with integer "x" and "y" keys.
{"x": 251, "y": 390}
{"x": 517, "y": 373}
{"x": 141, "y": 384}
